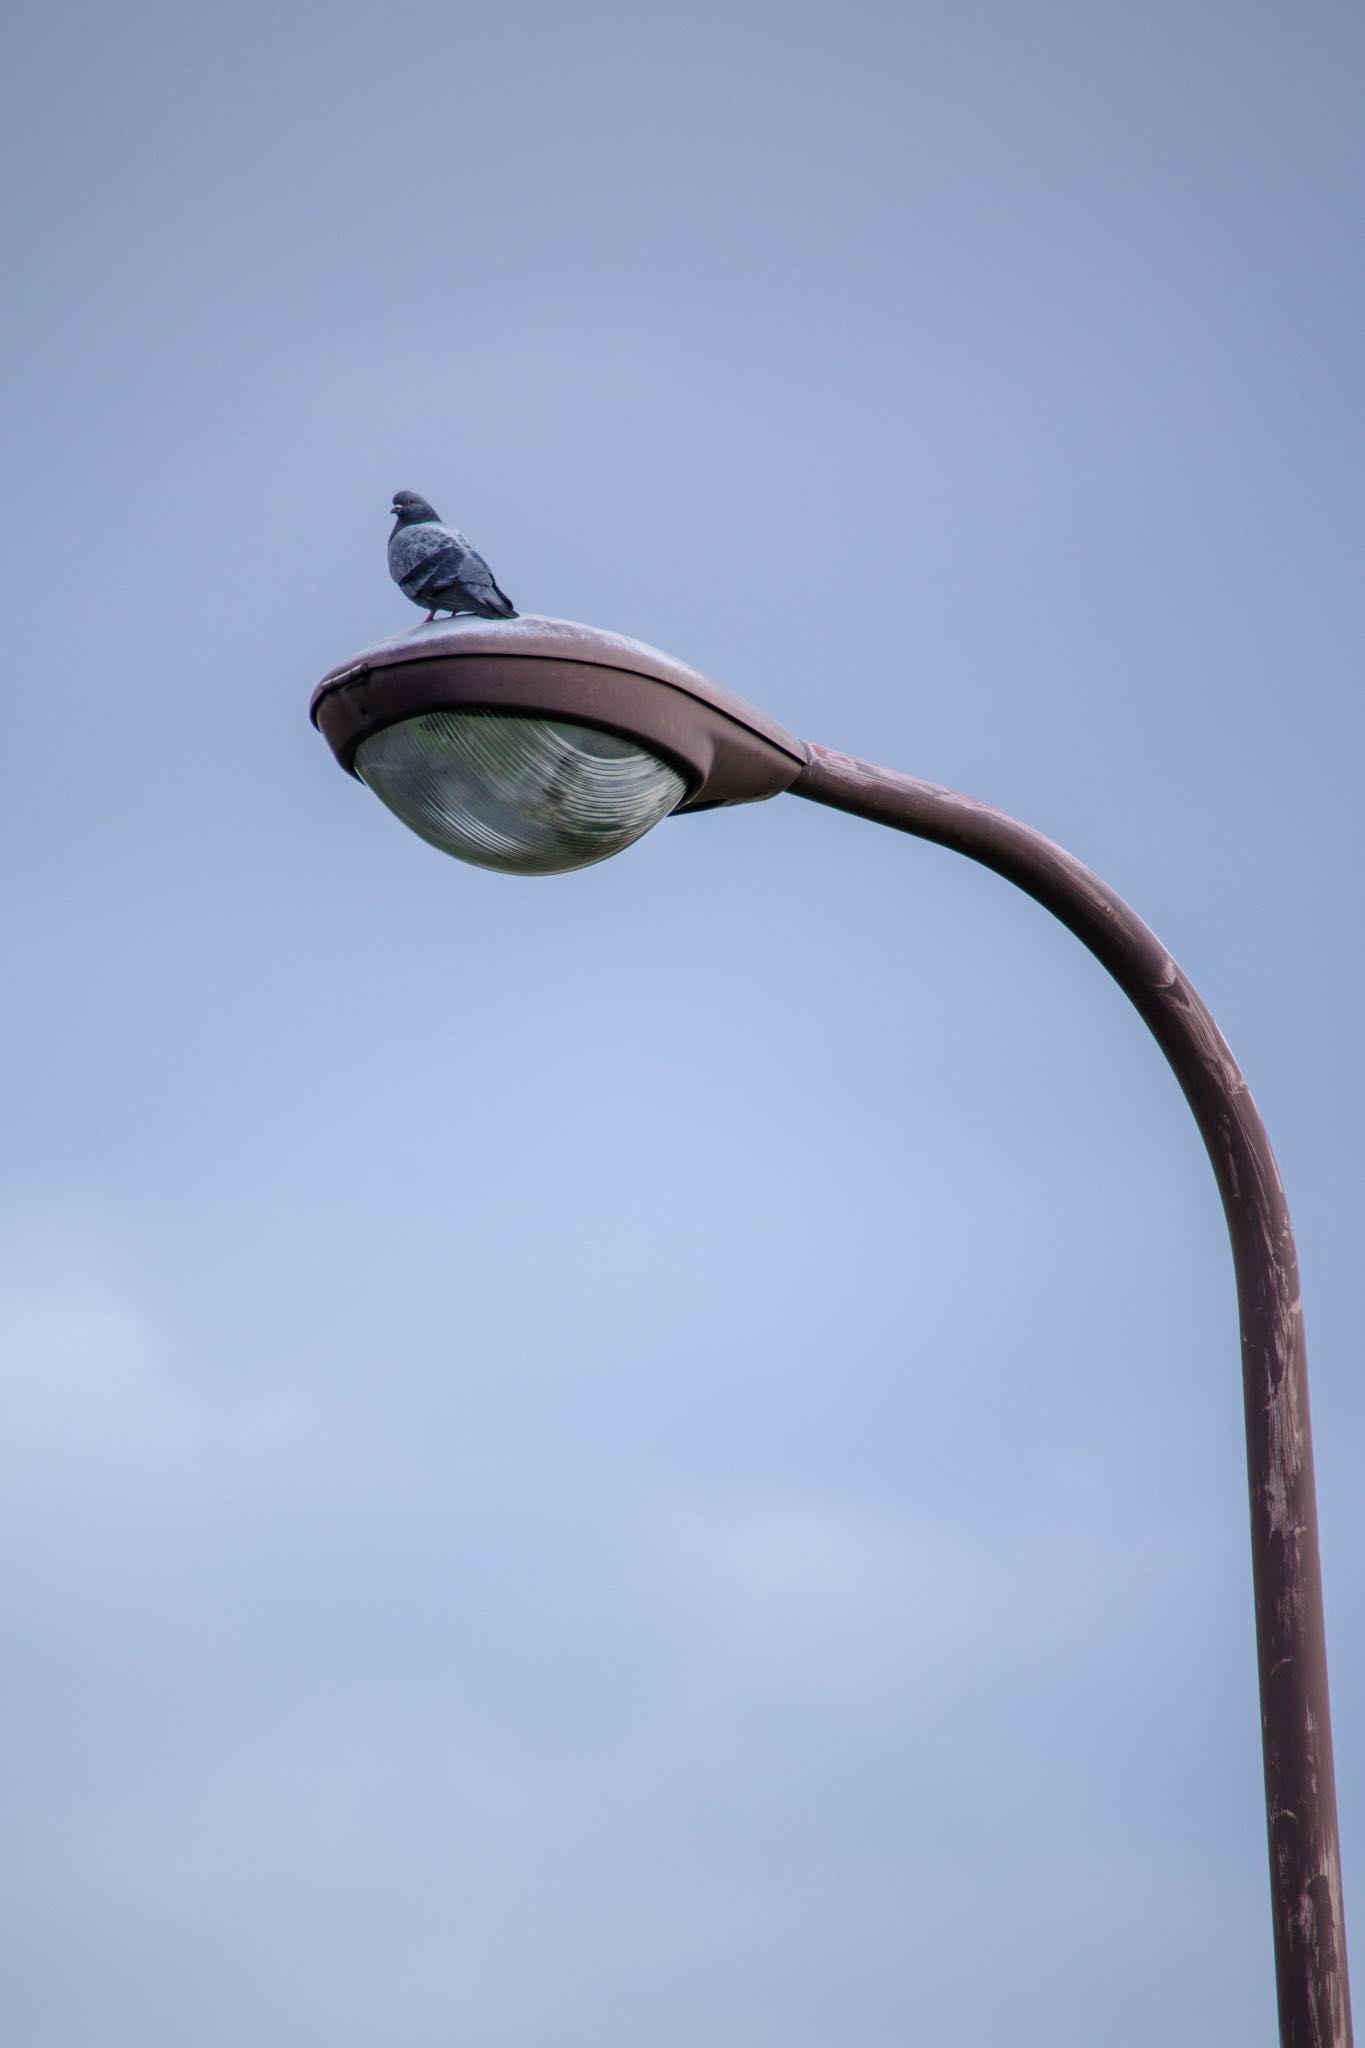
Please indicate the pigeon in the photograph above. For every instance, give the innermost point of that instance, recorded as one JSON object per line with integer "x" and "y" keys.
{"x": 435, "y": 566}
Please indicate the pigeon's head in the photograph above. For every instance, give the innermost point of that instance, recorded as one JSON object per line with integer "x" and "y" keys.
{"x": 410, "y": 510}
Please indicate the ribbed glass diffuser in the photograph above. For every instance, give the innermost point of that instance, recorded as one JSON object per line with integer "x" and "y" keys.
{"x": 527, "y": 796}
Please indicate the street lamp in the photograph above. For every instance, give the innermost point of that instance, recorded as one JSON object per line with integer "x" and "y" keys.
{"x": 535, "y": 746}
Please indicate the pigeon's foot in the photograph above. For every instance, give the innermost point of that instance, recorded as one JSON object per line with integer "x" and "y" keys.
{"x": 428, "y": 619}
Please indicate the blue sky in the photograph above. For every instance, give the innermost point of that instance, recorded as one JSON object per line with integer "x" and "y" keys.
{"x": 657, "y": 1454}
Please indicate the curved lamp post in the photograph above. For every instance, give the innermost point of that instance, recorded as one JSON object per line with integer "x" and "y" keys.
{"x": 534, "y": 746}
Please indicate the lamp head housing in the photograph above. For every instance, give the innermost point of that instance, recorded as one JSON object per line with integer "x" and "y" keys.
{"x": 534, "y": 745}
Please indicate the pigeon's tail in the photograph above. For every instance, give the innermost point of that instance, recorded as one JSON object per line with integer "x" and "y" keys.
{"x": 503, "y": 608}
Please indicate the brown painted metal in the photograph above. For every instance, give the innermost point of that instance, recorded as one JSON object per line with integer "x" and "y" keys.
{"x": 550, "y": 668}
{"x": 732, "y": 753}
{"x": 1301, "y": 1814}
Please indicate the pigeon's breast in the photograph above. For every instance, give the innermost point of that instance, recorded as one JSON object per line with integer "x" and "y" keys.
{"x": 413, "y": 549}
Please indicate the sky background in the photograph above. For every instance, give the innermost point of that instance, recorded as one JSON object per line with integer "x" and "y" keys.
{"x": 656, "y": 1456}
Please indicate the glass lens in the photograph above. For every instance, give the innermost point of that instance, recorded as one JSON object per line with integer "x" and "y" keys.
{"x": 528, "y": 796}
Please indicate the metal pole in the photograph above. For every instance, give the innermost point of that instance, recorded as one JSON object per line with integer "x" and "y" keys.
{"x": 1296, "y": 1730}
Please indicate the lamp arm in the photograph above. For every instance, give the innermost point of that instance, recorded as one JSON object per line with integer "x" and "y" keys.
{"x": 1301, "y": 1816}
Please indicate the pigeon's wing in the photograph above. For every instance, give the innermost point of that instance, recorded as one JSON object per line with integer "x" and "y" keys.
{"x": 435, "y": 565}
{"x": 476, "y": 578}
{"x": 426, "y": 558}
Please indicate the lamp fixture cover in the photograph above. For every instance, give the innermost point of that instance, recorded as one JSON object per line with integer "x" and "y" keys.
{"x": 525, "y": 796}
{"x": 562, "y": 675}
